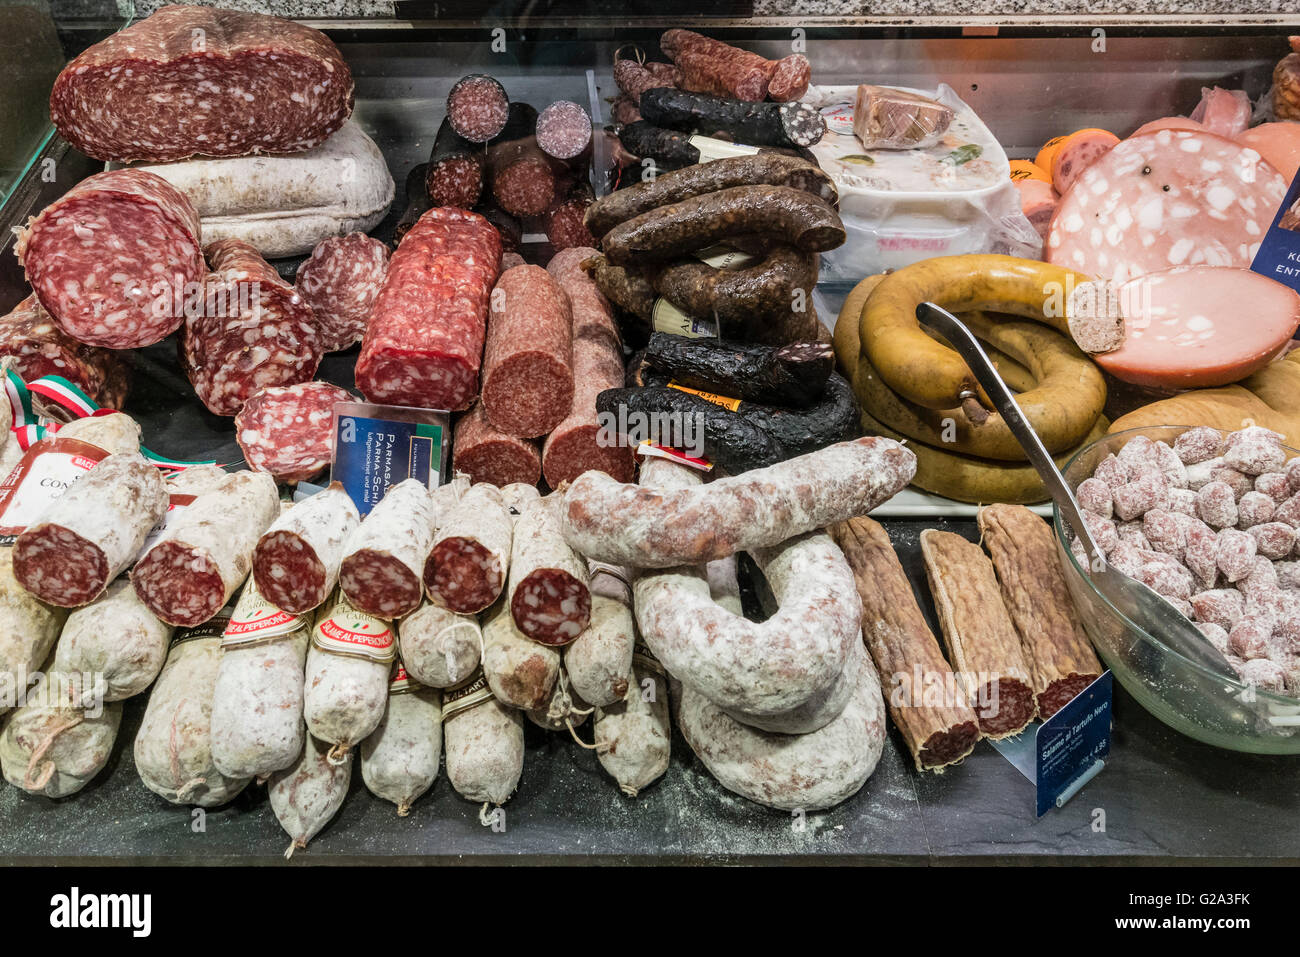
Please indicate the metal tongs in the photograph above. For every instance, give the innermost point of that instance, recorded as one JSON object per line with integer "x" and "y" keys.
{"x": 1135, "y": 601}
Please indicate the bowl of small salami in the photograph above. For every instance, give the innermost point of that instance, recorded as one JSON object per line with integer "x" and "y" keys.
{"x": 1211, "y": 521}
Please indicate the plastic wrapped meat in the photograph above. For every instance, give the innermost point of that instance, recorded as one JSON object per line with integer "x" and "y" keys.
{"x": 885, "y": 118}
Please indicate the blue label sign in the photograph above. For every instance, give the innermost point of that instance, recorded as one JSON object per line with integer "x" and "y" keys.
{"x": 1279, "y": 252}
{"x": 374, "y": 450}
{"x": 1072, "y": 744}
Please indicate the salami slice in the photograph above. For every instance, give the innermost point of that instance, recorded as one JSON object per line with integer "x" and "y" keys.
{"x": 1163, "y": 199}
{"x": 113, "y": 258}
{"x": 253, "y": 331}
{"x": 488, "y": 455}
{"x": 205, "y": 555}
{"x": 549, "y": 597}
{"x": 454, "y": 175}
{"x": 467, "y": 565}
{"x": 528, "y": 364}
{"x": 340, "y": 281}
{"x": 89, "y": 534}
{"x": 383, "y": 559}
{"x": 196, "y": 79}
{"x": 477, "y": 107}
{"x": 40, "y": 348}
{"x": 563, "y": 130}
{"x": 296, "y": 561}
{"x": 424, "y": 343}
{"x": 288, "y": 430}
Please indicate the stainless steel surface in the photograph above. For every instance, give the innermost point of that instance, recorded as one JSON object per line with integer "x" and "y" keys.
{"x": 1135, "y": 600}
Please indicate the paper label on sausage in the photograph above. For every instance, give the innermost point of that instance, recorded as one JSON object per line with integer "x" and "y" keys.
{"x": 714, "y": 149}
{"x": 472, "y": 692}
{"x": 214, "y": 627}
{"x": 725, "y": 401}
{"x": 47, "y": 470}
{"x": 256, "y": 620}
{"x": 665, "y": 317}
{"x": 643, "y": 656}
{"x": 400, "y": 682}
{"x": 343, "y": 630}
{"x": 724, "y": 257}
{"x": 648, "y": 449}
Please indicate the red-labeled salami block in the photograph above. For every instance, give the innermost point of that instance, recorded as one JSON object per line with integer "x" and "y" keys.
{"x": 288, "y": 430}
{"x": 195, "y": 80}
{"x": 424, "y": 344}
{"x": 39, "y": 348}
{"x": 488, "y": 455}
{"x": 253, "y": 331}
{"x": 1164, "y": 199}
{"x": 576, "y": 443}
{"x": 112, "y": 259}
{"x": 340, "y": 282}
{"x": 528, "y": 363}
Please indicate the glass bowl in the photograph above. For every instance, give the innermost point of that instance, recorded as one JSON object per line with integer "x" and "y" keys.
{"x": 1186, "y": 696}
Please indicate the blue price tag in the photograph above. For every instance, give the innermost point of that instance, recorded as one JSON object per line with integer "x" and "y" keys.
{"x": 1279, "y": 252}
{"x": 377, "y": 446}
{"x": 1072, "y": 744}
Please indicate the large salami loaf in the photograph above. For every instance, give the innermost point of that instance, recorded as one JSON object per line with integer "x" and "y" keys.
{"x": 528, "y": 363}
{"x": 115, "y": 639}
{"x": 112, "y": 257}
{"x": 383, "y": 558}
{"x": 91, "y": 533}
{"x": 202, "y": 557}
{"x": 288, "y": 430}
{"x": 489, "y": 455}
{"x": 253, "y": 331}
{"x": 199, "y": 80}
{"x": 296, "y": 561}
{"x": 340, "y": 280}
{"x": 424, "y": 342}
{"x": 39, "y": 348}
{"x": 576, "y": 445}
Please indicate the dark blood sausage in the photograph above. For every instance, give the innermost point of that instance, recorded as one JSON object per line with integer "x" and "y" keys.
{"x": 563, "y": 130}
{"x": 519, "y": 173}
{"x": 383, "y": 559}
{"x": 633, "y": 78}
{"x": 89, "y": 535}
{"x": 340, "y": 281}
{"x": 417, "y": 201}
{"x": 757, "y": 124}
{"x": 111, "y": 259}
{"x": 549, "y": 597}
{"x": 576, "y": 445}
{"x": 296, "y": 561}
{"x": 773, "y": 169}
{"x": 199, "y": 80}
{"x": 783, "y": 279}
{"x": 628, "y": 290}
{"x": 565, "y": 222}
{"x": 455, "y": 172}
{"x": 253, "y": 331}
{"x": 487, "y": 455}
{"x": 669, "y": 149}
{"x": 39, "y": 348}
{"x": 711, "y": 66}
{"x": 289, "y": 430}
{"x": 528, "y": 362}
{"x": 424, "y": 342}
{"x": 478, "y": 107}
{"x": 681, "y": 228}
{"x": 466, "y": 568}
{"x": 787, "y": 375}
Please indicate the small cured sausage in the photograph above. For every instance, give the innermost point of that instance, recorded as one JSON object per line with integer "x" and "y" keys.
{"x": 632, "y": 735}
{"x": 563, "y": 130}
{"x": 477, "y": 107}
{"x": 288, "y": 431}
{"x": 55, "y": 750}
{"x": 599, "y": 661}
{"x": 455, "y": 172}
{"x": 633, "y": 77}
{"x": 88, "y": 535}
{"x": 489, "y": 455}
{"x": 38, "y": 347}
{"x": 296, "y": 561}
{"x": 117, "y": 640}
{"x": 623, "y": 524}
{"x": 346, "y": 685}
{"x": 711, "y": 66}
{"x": 548, "y": 595}
{"x": 28, "y": 630}
{"x": 203, "y": 556}
{"x": 520, "y": 672}
{"x": 484, "y": 743}
{"x": 307, "y": 795}
{"x": 528, "y": 362}
{"x": 466, "y": 568}
{"x": 440, "y": 648}
{"x": 755, "y": 124}
{"x": 383, "y": 558}
{"x": 400, "y": 758}
{"x": 173, "y": 748}
{"x": 340, "y": 281}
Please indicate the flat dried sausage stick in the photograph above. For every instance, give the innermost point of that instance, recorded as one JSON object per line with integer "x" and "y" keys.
{"x": 90, "y": 534}
{"x": 383, "y": 559}
{"x": 982, "y": 642}
{"x": 296, "y": 561}
{"x": 549, "y": 597}
{"x": 1056, "y": 647}
{"x": 623, "y": 524}
{"x": 466, "y": 568}
{"x": 901, "y": 644}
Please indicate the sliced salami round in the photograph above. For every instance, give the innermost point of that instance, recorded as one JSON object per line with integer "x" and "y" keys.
{"x": 288, "y": 430}
{"x": 1163, "y": 199}
{"x": 477, "y": 107}
{"x": 489, "y": 455}
{"x": 549, "y": 597}
{"x": 383, "y": 561}
{"x": 467, "y": 566}
{"x": 296, "y": 561}
{"x": 340, "y": 282}
{"x": 563, "y": 130}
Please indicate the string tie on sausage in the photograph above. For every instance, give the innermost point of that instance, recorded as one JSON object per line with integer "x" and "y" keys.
{"x": 339, "y": 753}
{"x": 34, "y": 782}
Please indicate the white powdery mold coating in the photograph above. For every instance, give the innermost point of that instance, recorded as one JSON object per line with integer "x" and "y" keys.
{"x": 344, "y": 697}
{"x": 28, "y": 628}
{"x": 470, "y": 557}
{"x": 399, "y": 760}
{"x": 439, "y": 648}
{"x": 599, "y": 661}
{"x": 520, "y": 672}
{"x": 384, "y": 556}
{"x": 548, "y": 594}
{"x": 632, "y": 736}
{"x": 308, "y": 794}
{"x": 77, "y": 747}
{"x": 116, "y": 639}
{"x": 484, "y": 750}
{"x": 296, "y": 561}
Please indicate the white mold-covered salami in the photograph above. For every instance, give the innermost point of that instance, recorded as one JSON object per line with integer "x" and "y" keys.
{"x": 517, "y": 496}
{"x": 819, "y": 710}
{"x": 633, "y": 739}
{"x": 483, "y": 741}
{"x": 521, "y": 672}
{"x": 383, "y": 561}
{"x": 346, "y": 691}
{"x": 56, "y": 750}
{"x": 115, "y": 639}
{"x": 88, "y": 535}
{"x": 399, "y": 760}
{"x": 599, "y": 661}
{"x": 549, "y": 596}
{"x": 173, "y": 748}
{"x": 296, "y": 561}
{"x": 115, "y": 432}
{"x": 811, "y": 772}
{"x": 196, "y": 479}
{"x": 205, "y": 555}
{"x": 467, "y": 565}
{"x": 307, "y": 795}
{"x": 564, "y": 710}
{"x": 28, "y": 630}
{"x": 440, "y": 648}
